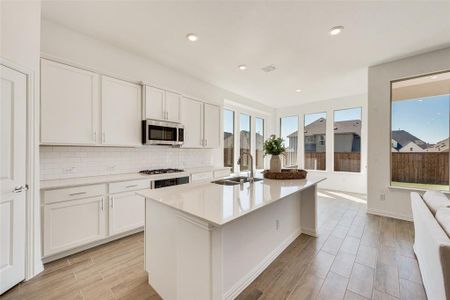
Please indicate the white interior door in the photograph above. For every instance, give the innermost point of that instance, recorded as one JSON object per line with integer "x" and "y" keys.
{"x": 12, "y": 177}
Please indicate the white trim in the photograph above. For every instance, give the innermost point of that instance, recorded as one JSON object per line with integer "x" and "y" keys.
{"x": 385, "y": 213}
{"x": 245, "y": 281}
{"x": 33, "y": 266}
{"x": 414, "y": 189}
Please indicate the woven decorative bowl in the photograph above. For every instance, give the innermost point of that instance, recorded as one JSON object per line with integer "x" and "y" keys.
{"x": 286, "y": 174}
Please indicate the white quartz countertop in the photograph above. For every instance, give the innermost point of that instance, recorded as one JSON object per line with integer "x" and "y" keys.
{"x": 220, "y": 204}
{"x": 79, "y": 181}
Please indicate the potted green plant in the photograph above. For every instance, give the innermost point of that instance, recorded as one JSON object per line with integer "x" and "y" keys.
{"x": 275, "y": 147}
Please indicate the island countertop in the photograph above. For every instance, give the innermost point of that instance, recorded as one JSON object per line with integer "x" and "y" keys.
{"x": 220, "y": 204}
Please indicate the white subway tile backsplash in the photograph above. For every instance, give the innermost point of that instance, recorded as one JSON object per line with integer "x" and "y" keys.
{"x": 65, "y": 162}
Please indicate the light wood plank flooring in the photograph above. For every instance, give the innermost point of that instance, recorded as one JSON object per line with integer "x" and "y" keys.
{"x": 357, "y": 256}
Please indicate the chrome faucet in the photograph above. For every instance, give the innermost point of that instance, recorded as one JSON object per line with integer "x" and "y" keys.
{"x": 251, "y": 173}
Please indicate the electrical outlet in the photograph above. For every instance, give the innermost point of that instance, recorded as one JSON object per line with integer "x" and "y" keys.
{"x": 69, "y": 170}
{"x": 277, "y": 224}
{"x": 382, "y": 197}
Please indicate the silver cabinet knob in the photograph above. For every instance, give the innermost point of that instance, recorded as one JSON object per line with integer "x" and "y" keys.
{"x": 20, "y": 188}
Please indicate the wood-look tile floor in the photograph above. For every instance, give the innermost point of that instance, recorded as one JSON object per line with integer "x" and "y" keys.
{"x": 357, "y": 256}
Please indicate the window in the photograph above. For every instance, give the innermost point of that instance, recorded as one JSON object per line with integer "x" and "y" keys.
{"x": 420, "y": 132}
{"x": 259, "y": 141}
{"x": 245, "y": 142}
{"x": 289, "y": 132}
{"x": 347, "y": 140}
{"x": 228, "y": 138}
{"x": 314, "y": 137}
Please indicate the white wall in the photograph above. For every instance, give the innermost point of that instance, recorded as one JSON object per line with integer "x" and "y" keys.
{"x": 396, "y": 202}
{"x": 342, "y": 181}
{"x": 20, "y": 47}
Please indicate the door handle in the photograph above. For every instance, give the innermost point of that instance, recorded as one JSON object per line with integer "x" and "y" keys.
{"x": 20, "y": 188}
{"x": 112, "y": 201}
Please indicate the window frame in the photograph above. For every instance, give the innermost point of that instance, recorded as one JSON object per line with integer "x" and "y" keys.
{"x": 238, "y": 110}
{"x": 324, "y": 140}
{"x": 298, "y": 132}
{"x": 360, "y": 137}
{"x": 264, "y": 137}
{"x": 234, "y": 137}
{"x": 412, "y": 188}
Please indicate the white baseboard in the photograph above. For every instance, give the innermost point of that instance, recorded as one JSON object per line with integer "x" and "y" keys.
{"x": 385, "y": 213}
{"x": 245, "y": 281}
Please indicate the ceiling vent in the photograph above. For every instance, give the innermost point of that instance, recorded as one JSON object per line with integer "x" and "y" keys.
{"x": 269, "y": 68}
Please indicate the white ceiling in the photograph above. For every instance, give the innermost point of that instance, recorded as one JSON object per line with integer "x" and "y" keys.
{"x": 293, "y": 36}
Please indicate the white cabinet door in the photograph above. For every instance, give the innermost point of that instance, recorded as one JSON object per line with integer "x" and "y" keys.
{"x": 121, "y": 112}
{"x": 154, "y": 103}
{"x": 74, "y": 223}
{"x": 172, "y": 107}
{"x": 126, "y": 212}
{"x": 69, "y": 105}
{"x": 13, "y": 161}
{"x": 192, "y": 119}
{"x": 211, "y": 126}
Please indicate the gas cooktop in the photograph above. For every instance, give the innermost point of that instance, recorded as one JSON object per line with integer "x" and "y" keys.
{"x": 160, "y": 171}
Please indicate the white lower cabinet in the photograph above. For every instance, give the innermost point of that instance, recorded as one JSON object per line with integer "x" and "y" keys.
{"x": 126, "y": 212}
{"x": 73, "y": 223}
{"x": 77, "y": 218}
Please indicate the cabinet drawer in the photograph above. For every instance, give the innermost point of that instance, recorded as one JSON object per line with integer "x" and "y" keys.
{"x": 221, "y": 173}
{"x": 201, "y": 176}
{"x": 125, "y": 186}
{"x": 87, "y": 191}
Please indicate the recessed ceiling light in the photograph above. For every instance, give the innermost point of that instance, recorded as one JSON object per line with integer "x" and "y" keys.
{"x": 242, "y": 67}
{"x": 420, "y": 100}
{"x": 192, "y": 37}
{"x": 336, "y": 30}
{"x": 298, "y": 90}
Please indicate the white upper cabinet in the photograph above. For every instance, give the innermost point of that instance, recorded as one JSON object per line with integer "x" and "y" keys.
{"x": 172, "y": 107}
{"x": 69, "y": 105}
{"x": 211, "y": 126}
{"x": 161, "y": 105}
{"x": 121, "y": 112}
{"x": 201, "y": 124}
{"x": 192, "y": 119}
{"x": 154, "y": 103}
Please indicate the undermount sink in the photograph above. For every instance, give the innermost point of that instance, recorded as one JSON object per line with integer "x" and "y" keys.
{"x": 234, "y": 180}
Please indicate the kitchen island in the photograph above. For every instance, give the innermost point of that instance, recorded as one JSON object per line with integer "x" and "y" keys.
{"x": 210, "y": 241}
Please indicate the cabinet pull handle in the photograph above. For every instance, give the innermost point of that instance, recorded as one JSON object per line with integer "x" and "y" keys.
{"x": 103, "y": 137}
{"x": 77, "y": 194}
{"x": 94, "y": 136}
{"x": 101, "y": 203}
{"x": 131, "y": 186}
{"x": 112, "y": 201}
{"x": 206, "y": 142}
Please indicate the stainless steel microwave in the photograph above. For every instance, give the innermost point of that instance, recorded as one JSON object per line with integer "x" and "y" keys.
{"x": 156, "y": 132}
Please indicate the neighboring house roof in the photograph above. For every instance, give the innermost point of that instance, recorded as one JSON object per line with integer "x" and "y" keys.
{"x": 403, "y": 138}
{"x": 441, "y": 146}
{"x": 341, "y": 127}
{"x": 411, "y": 147}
